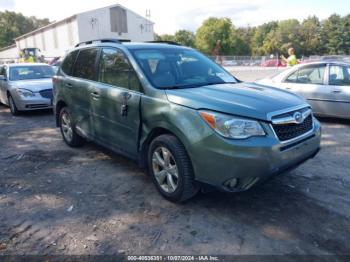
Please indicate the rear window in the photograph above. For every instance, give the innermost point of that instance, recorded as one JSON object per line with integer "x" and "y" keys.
{"x": 68, "y": 63}
{"x": 85, "y": 66}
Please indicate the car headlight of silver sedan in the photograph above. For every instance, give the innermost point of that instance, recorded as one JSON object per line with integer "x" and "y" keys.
{"x": 25, "y": 92}
{"x": 232, "y": 127}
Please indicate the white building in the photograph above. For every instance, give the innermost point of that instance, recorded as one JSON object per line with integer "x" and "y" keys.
{"x": 109, "y": 22}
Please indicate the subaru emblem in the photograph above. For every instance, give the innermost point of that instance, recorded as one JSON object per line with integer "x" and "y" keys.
{"x": 298, "y": 117}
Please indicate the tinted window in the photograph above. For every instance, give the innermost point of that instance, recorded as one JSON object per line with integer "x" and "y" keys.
{"x": 339, "y": 75}
{"x": 85, "y": 64}
{"x": 115, "y": 70}
{"x": 178, "y": 67}
{"x": 68, "y": 63}
{"x": 30, "y": 72}
{"x": 3, "y": 71}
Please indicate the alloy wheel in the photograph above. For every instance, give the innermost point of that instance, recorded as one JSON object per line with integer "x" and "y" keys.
{"x": 66, "y": 125}
{"x": 165, "y": 169}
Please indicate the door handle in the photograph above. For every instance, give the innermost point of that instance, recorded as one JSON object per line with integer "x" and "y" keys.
{"x": 336, "y": 91}
{"x": 69, "y": 85}
{"x": 95, "y": 95}
{"x": 288, "y": 88}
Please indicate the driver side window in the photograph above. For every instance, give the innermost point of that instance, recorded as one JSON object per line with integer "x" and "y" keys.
{"x": 308, "y": 75}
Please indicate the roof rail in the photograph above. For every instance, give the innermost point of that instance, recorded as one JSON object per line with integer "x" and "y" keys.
{"x": 104, "y": 40}
{"x": 163, "y": 42}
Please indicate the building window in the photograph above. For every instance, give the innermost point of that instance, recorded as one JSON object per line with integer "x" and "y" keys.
{"x": 70, "y": 33}
{"x": 118, "y": 20}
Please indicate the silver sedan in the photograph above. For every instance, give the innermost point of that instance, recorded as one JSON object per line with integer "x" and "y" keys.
{"x": 26, "y": 87}
{"x": 324, "y": 84}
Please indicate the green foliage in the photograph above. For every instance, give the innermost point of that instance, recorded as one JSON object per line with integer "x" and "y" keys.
{"x": 185, "y": 37}
{"x": 13, "y": 25}
{"x": 309, "y": 37}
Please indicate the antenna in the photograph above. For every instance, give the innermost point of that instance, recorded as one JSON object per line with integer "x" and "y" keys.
{"x": 148, "y": 23}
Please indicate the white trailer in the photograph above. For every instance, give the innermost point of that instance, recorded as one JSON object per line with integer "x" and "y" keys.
{"x": 9, "y": 54}
{"x": 114, "y": 21}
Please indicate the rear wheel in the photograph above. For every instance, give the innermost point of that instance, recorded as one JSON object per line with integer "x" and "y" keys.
{"x": 171, "y": 169}
{"x": 68, "y": 132}
{"x": 13, "y": 107}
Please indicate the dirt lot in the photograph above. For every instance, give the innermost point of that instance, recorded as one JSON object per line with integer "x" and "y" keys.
{"x": 54, "y": 199}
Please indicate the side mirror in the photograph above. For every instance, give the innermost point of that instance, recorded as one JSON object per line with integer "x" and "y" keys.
{"x": 2, "y": 78}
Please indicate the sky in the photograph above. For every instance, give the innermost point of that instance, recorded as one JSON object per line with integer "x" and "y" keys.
{"x": 170, "y": 16}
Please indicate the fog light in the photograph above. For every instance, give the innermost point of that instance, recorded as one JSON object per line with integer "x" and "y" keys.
{"x": 231, "y": 183}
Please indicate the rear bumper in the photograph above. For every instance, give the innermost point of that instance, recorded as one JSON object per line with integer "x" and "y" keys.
{"x": 217, "y": 160}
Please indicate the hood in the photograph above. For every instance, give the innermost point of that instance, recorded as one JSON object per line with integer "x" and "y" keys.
{"x": 241, "y": 99}
{"x": 34, "y": 85}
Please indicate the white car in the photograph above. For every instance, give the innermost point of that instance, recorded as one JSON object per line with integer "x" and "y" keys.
{"x": 324, "y": 84}
{"x": 26, "y": 87}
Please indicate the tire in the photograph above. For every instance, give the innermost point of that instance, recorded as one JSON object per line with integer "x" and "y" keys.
{"x": 13, "y": 107}
{"x": 68, "y": 132}
{"x": 177, "y": 162}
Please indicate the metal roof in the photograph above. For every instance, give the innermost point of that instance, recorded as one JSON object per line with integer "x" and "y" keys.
{"x": 71, "y": 18}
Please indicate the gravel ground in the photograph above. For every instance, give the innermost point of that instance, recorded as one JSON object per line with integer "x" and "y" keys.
{"x": 59, "y": 200}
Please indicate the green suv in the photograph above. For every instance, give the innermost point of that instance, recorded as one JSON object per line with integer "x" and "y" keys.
{"x": 182, "y": 116}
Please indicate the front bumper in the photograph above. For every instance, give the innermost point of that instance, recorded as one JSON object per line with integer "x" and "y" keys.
{"x": 217, "y": 160}
{"x": 32, "y": 103}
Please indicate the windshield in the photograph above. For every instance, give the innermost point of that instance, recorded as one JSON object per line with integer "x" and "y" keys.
{"x": 176, "y": 68}
{"x": 30, "y": 72}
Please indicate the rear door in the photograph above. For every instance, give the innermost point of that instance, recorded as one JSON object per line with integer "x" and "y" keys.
{"x": 339, "y": 90}
{"x": 116, "y": 102}
{"x": 78, "y": 87}
{"x": 309, "y": 81}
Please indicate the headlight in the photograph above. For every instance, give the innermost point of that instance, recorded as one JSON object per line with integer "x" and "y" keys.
{"x": 232, "y": 127}
{"x": 25, "y": 92}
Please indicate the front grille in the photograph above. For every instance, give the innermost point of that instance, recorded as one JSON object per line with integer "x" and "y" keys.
{"x": 47, "y": 93}
{"x": 289, "y": 131}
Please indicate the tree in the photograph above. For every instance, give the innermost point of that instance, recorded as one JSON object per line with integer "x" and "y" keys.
{"x": 259, "y": 36}
{"x": 13, "y": 25}
{"x": 185, "y": 37}
{"x": 333, "y": 36}
{"x": 284, "y": 36}
{"x": 310, "y": 30}
{"x": 214, "y": 29}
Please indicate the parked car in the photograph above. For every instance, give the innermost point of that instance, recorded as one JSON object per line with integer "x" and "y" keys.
{"x": 185, "y": 118}
{"x": 26, "y": 87}
{"x": 273, "y": 63}
{"x": 324, "y": 84}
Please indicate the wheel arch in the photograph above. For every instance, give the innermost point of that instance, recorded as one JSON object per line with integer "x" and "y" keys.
{"x": 155, "y": 132}
{"x": 59, "y": 105}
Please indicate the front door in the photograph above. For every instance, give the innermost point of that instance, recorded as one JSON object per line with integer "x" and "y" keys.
{"x": 3, "y": 85}
{"x": 116, "y": 103}
{"x": 309, "y": 82}
{"x": 339, "y": 90}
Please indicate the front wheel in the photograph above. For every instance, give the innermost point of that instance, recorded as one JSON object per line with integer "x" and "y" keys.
{"x": 171, "y": 169}
{"x": 68, "y": 132}
{"x": 13, "y": 107}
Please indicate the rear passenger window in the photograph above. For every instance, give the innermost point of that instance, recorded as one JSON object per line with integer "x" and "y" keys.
{"x": 85, "y": 64}
{"x": 68, "y": 63}
{"x": 114, "y": 69}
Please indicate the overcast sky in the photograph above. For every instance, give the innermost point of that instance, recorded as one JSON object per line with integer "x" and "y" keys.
{"x": 170, "y": 16}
